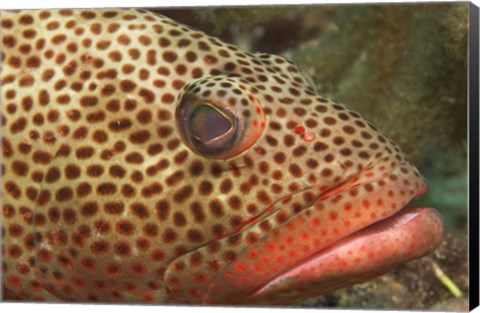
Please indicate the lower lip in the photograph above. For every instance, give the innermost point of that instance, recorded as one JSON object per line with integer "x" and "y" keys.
{"x": 389, "y": 241}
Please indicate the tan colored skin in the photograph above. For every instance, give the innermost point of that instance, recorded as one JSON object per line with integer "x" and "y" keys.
{"x": 105, "y": 198}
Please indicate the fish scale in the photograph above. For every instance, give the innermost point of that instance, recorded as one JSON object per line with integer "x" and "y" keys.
{"x": 116, "y": 187}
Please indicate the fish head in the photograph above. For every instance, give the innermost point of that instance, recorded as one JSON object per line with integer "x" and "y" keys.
{"x": 323, "y": 192}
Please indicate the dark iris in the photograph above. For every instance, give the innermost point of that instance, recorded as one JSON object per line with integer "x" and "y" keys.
{"x": 207, "y": 123}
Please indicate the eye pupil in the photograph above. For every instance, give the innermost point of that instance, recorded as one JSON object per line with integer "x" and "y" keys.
{"x": 207, "y": 123}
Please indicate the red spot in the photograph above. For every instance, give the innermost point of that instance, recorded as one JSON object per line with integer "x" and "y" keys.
{"x": 148, "y": 297}
{"x": 78, "y": 283}
{"x": 289, "y": 239}
{"x": 333, "y": 216}
{"x": 228, "y": 276}
{"x": 347, "y": 206}
{"x": 138, "y": 268}
{"x": 14, "y": 280}
{"x": 240, "y": 267}
{"x": 305, "y": 236}
{"x": 252, "y": 254}
{"x": 299, "y": 129}
{"x": 316, "y": 222}
{"x": 270, "y": 247}
{"x": 199, "y": 278}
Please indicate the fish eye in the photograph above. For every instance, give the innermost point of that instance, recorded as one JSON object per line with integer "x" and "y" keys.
{"x": 211, "y": 129}
{"x": 219, "y": 124}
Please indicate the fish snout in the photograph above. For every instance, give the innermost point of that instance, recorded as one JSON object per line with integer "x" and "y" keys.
{"x": 352, "y": 233}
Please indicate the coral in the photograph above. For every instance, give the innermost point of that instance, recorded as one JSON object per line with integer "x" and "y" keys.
{"x": 243, "y": 17}
{"x": 388, "y": 62}
{"x": 455, "y": 25}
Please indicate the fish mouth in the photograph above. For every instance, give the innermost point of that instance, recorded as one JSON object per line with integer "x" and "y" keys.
{"x": 352, "y": 233}
{"x": 358, "y": 257}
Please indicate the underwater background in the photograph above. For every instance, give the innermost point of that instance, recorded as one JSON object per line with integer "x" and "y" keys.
{"x": 404, "y": 68}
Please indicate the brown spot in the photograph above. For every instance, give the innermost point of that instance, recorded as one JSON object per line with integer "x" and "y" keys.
{"x": 326, "y": 172}
{"x": 117, "y": 171}
{"x": 120, "y": 125}
{"x": 279, "y": 157}
{"x": 89, "y": 209}
{"x": 181, "y": 195}
{"x": 195, "y": 235}
{"x": 127, "y": 85}
{"x": 69, "y": 216}
{"x": 100, "y": 247}
{"x": 123, "y": 40}
{"x": 140, "y": 137}
{"x": 84, "y": 152}
{"x": 106, "y": 189}
{"x": 9, "y": 41}
{"x": 163, "y": 209}
{"x": 80, "y": 133}
{"x": 72, "y": 47}
{"x": 151, "y": 190}
{"x": 95, "y": 170}
{"x": 263, "y": 197}
{"x": 26, "y": 19}
{"x": 216, "y": 208}
{"x": 169, "y": 236}
{"x": 20, "y": 168}
{"x": 83, "y": 189}
{"x": 125, "y": 228}
{"x": 13, "y": 189}
{"x": 169, "y": 56}
{"x": 168, "y": 98}
{"x": 19, "y": 125}
{"x": 72, "y": 171}
{"x": 114, "y": 208}
{"x": 180, "y": 157}
{"x": 147, "y": 95}
{"x": 26, "y": 81}
{"x": 205, "y": 187}
{"x": 226, "y": 185}
{"x": 128, "y": 191}
{"x": 151, "y": 57}
{"x": 88, "y": 15}
{"x": 42, "y": 157}
{"x": 134, "y": 157}
{"x": 64, "y": 194}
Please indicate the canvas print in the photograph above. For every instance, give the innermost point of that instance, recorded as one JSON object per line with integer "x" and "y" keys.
{"x": 311, "y": 156}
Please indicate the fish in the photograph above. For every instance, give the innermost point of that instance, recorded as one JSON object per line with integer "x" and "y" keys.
{"x": 144, "y": 161}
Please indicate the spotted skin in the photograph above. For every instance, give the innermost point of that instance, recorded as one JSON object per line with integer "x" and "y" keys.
{"x": 106, "y": 196}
